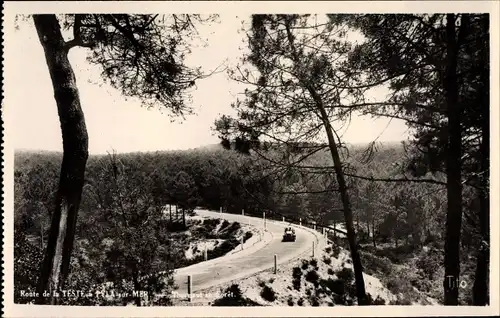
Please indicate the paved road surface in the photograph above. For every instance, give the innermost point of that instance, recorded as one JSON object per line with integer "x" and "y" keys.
{"x": 224, "y": 269}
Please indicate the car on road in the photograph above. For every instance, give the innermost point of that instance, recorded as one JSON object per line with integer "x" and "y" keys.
{"x": 289, "y": 235}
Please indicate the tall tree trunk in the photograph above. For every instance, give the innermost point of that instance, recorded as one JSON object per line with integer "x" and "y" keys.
{"x": 480, "y": 290}
{"x": 56, "y": 262}
{"x": 351, "y": 234}
{"x": 453, "y": 169}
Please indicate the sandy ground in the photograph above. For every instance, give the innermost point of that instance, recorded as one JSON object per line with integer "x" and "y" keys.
{"x": 197, "y": 247}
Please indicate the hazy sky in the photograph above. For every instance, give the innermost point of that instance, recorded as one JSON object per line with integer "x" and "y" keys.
{"x": 116, "y": 123}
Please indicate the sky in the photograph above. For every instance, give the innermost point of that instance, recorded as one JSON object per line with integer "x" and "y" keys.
{"x": 115, "y": 123}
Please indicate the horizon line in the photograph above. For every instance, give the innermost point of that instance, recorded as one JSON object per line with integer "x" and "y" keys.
{"x": 39, "y": 150}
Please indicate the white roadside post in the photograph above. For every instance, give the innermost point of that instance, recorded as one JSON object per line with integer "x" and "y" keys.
{"x": 190, "y": 287}
{"x": 243, "y": 212}
{"x": 300, "y": 221}
{"x": 313, "y": 250}
{"x": 314, "y": 225}
{"x": 242, "y": 242}
{"x": 205, "y": 254}
{"x": 275, "y": 263}
{"x": 283, "y": 219}
{"x": 264, "y": 217}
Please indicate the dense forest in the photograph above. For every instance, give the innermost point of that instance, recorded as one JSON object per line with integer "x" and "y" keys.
{"x": 125, "y": 194}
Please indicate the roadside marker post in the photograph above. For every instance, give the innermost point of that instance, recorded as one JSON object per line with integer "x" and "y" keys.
{"x": 275, "y": 263}
{"x": 283, "y": 219}
{"x": 300, "y": 221}
{"x": 264, "y": 217}
{"x": 314, "y": 225}
{"x": 205, "y": 254}
{"x": 242, "y": 242}
{"x": 313, "y": 250}
{"x": 190, "y": 287}
{"x": 220, "y": 211}
{"x": 243, "y": 212}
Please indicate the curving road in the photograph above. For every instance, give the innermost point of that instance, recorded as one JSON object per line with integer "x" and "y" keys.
{"x": 248, "y": 261}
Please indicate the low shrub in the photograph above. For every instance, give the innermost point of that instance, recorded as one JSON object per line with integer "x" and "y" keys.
{"x": 376, "y": 264}
{"x": 297, "y": 272}
{"x": 176, "y": 227}
{"x": 312, "y": 277}
{"x": 336, "y": 251}
{"x": 223, "y": 248}
{"x": 428, "y": 264}
{"x": 268, "y": 294}
{"x": 300, "y": 302}
{"x": 314, "y": 263}
{"x": 314, "y": 302}
{"x": 296, "y": 277}
{"x": 375, "y": 302}
{"x": 401, "y": 302}
{"x": 308, "y": 292}
{"x": 210, "y": 223}
{"x": 396, "y": 255}
{"x": 345, "y": 274}
{"x": 235, "y": 226}
{"x": 327, "y": 260}
{"x": 336, "y": 286}
{"x": 227, "y": 231}
{"x": 305, "y": 264}
{"x": 225, "y": 224}
{"x": 247, "y": 236}
{"x": 400, "y": 285}
{"x": 343, "y": 287}
{"x": 290, "y": 301}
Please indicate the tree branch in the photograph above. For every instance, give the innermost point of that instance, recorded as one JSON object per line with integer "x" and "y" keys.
{"x": 77, "y": 36}
{"x": 404, "y": 179}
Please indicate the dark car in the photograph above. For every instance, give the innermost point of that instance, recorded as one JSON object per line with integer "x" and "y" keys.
{"x": 289, "y": 235}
